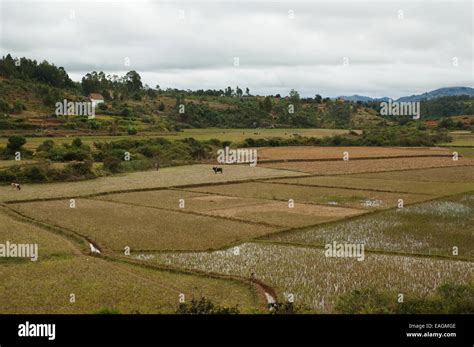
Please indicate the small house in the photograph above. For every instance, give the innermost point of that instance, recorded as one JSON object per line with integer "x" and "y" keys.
{"x": 96, "y": 99}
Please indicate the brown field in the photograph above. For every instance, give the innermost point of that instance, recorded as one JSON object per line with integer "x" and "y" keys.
{"x": 278, "y": 213}
{"x": 114, "y": 226}
{"x": 362, "y": 166}
{"x": 457, "y": 174}
{"x": 49, "y": 244}
{"x": 315, "y": 195}
{"x": 166, "y": 177}
{"x": 308, "y": 152}
{"x": 378, "y": 184}
{"x": 246, "y": 209}
{"x": 169, "y": 199}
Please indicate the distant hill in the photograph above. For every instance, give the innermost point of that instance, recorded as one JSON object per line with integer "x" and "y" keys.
{"x": 450, "y": 91}
{"x": 363, "y": 98}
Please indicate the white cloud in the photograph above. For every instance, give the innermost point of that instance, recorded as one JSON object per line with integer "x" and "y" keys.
{"x": 387, "y": 55}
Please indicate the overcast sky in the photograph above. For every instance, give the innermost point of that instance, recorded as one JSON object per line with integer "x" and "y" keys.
{"x": 383, "y": 48}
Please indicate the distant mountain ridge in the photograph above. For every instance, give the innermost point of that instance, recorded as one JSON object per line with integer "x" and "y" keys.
{"x": 448, "y": 91}
{"x": 363, "y": 98}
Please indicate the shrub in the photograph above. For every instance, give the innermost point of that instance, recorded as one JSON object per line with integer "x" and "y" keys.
{"x": 46, "y": 146}
{"x": 205, "y": 306}
{"x": 112, "y": 164}
{"x": 18, "y": 107}
{"x": 15, "y": 142}
{"x": 108, "y": 310}
{"x": 449, "y": 299}
{"x": 77, "y": 142}
{"x": 4, "y": 107}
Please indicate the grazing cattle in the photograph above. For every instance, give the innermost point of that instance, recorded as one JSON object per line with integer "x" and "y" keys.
{"x": 218, "y": 169}
{"x": 15, "y": 186}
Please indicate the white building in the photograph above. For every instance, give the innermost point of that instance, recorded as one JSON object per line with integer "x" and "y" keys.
{"x": 96, "y": 99}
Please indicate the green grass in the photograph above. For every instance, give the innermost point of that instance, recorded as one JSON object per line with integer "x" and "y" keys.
{"x": 461, "y": 138}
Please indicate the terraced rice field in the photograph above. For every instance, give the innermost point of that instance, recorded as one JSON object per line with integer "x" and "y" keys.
{"x": 49, "y": 244}
{"x": 408, "y": 250}
{"x": 279, "y": 214}
{"x": 114, "y": 226}
{"x": 354, "y": 198}
{"x": 362, "y": 166}
{"x": 379, "y": 184}
{"x": 316, "y": 280}
{"x": 430, "y": 228}
{"x": 307, "y": 152}
{"x": 266, "y": 212}
{"x": 459, "y": 174}
{"x": 45, "y": 285}
{"x": 167, "y": 177}
{"x": 171, "y": 199}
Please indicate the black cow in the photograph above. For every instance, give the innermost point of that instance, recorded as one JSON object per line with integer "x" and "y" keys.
{"x": 218, "y": 169}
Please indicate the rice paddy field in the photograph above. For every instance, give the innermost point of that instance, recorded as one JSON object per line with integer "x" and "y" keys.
{"x": 381, "y": 184}
{"x": 361, "y": 166}
{"x": 307, "y": 152}
{"x": 316, "y": 280}
{"x": 184, "y": 224}
{"x": 114, "y": 226}
{"x": 166, "y": 177}
{"x": 354, "y": 198}
{"x": 45, "y": 285}
{"x": 459, "y": 174}
{"x": 449, "y": 221}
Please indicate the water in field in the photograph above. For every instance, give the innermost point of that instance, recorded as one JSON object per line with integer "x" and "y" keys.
{"x": 316, "y": 281}
{"x": 433, "y": 227}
